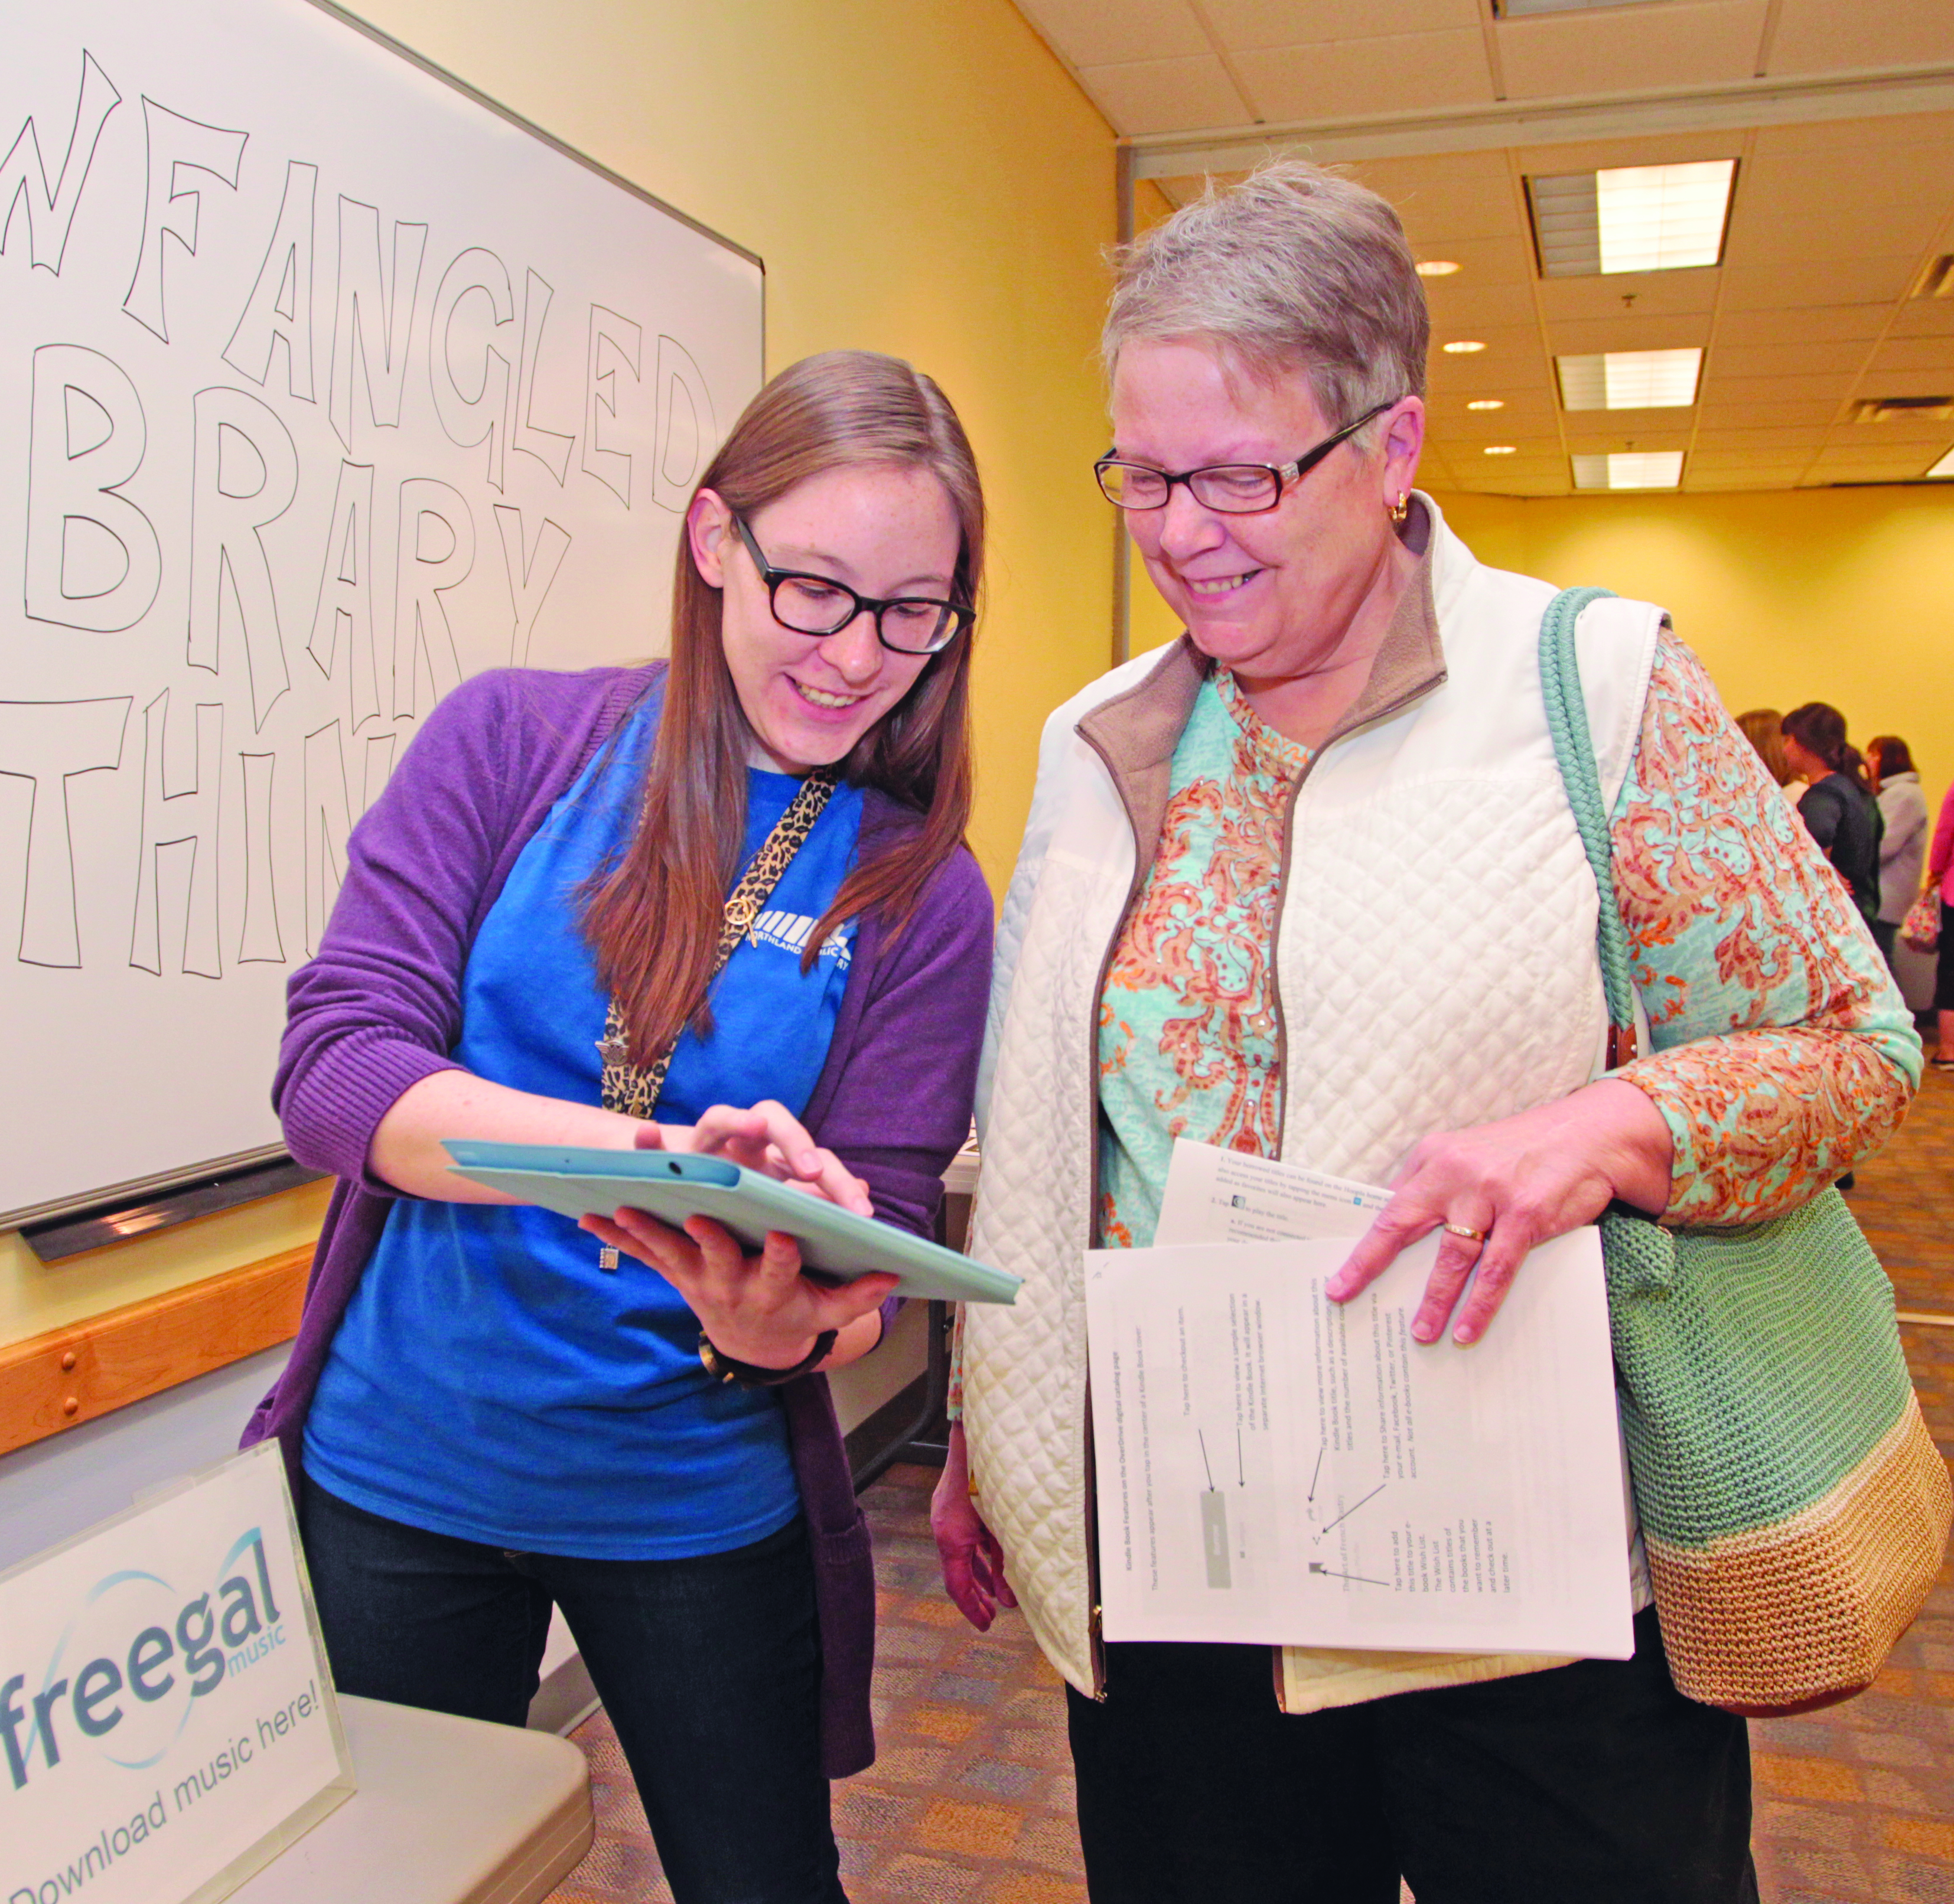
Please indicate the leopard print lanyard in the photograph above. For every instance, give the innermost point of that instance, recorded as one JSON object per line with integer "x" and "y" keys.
{"x": 634, "y": 1089}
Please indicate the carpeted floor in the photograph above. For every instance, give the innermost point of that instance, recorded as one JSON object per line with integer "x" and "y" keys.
{"x": 970, "y": 1800}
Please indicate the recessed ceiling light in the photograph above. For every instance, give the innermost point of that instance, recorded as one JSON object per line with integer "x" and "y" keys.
{"x": 1487, "y": 403}
{"x": 1462, "y": 346}
{"x": 1630, "y": 380}
{"x": 1502, "y": 449}
{"x": 1629, "y": 470}
{"x": 1434, "y": 268}
{"x": 1631, "y": 217}
{"x": 1944, "y": 467}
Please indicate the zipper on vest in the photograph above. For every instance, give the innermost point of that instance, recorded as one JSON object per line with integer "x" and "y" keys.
{"x": 1095, "y": 1638}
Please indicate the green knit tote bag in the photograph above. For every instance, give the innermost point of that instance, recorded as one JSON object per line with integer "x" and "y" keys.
{"x": 1793, "y": 1507}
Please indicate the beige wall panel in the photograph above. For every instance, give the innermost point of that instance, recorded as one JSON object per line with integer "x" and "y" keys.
{"x": 1165, "y": 94}
{"x": 1548, "y": 56}
{"x": 1245, "y": 24}
{"x": 1822, "y": 36}
{"x": 1382, "y": 75}
{"x": 1089, "y": 33}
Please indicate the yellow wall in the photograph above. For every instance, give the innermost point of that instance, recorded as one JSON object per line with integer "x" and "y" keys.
{"x": 919, "y": 178}
{"x": 1844, "y": 595}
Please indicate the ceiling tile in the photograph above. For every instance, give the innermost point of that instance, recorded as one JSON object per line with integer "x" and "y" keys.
{"x": 1827, "y": 323}
{"x": 1482, "y": 263}
{"x": 1165, "y": 94}
{"x": 1784, "y": 184}
{"x": 1087, "y": 32}
{"x": 1856, "y": 135}
{"x": 1250, "y": 25}
{"x": 1818, "y": 281}
{"x": 1934, "y": 354}
{"x": 1471, "y": 308}
{"x": 1868, "y": 231}
{"x": 1833, "y": 387}
{"x": 1659, "y": 148}
{"x": 1719, "y": 414}
{"x": 1553, "y": 55}
{"x": 1593, "y": 442}
{"x": 1640, "y": 294}
{"x": 1629, "y": 331}
{"x": 1924, "y": 317}
{"x": 1395, "y": 74}
{"x": 1827, "y": 36}
{"x": 1781, "y": 443}
{"x": 1445, "y": 202}
{"x": 1735, "y": 359}
{"x": 1906, "y": 382}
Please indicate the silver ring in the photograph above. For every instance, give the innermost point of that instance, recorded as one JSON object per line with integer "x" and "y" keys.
{"x": 1460, "y": 1230}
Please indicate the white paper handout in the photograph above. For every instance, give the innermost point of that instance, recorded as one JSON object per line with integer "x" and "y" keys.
{"x": 1274, "y": 1468}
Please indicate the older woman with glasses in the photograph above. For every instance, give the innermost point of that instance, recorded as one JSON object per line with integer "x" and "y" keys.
{"x": 1305, "y": 883}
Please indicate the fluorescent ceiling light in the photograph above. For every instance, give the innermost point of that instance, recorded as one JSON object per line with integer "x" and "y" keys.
{"x": 1630, "y": 380}
{"x": 1944, "y": 467}
{"x": 1630, "y": 469}
{"x": 1434, "y": 268}
{"x": 1632, "y": 217}
{"x": 1513, "y": 9}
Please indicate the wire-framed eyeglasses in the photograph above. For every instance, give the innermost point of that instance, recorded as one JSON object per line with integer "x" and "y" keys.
{"x": 820, "y": 605}
{"x": 1228, "y": 488}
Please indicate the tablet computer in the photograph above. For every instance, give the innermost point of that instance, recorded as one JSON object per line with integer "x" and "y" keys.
{"x": 673, "y": 1185}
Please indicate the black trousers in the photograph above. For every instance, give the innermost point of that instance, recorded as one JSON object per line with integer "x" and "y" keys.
{"x": 1593, "y": 1783}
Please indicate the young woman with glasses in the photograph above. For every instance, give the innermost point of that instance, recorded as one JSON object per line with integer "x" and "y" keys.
{"x": 490, "y": 1411}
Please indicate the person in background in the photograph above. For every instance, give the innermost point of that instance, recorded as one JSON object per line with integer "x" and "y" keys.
{"x": 1940, "y": 879}
{"x": 1305, "y": 883}
{"x": 1763, "y": 728}
{"x": 1895, "y": 785}
{"x": 486, "y": 1413}
{"x": 1838, "y": 807}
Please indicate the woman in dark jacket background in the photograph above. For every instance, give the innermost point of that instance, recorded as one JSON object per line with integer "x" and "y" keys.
{"x": 1838, "y": 807}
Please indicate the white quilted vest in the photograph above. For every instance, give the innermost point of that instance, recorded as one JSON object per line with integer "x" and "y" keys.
{"x": 1436, "y": 966}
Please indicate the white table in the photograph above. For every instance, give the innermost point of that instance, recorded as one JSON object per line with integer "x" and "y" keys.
{"x": 448, "y": 1811}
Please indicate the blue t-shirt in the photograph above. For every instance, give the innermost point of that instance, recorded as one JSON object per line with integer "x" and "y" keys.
{"x": 490, "y": 1381}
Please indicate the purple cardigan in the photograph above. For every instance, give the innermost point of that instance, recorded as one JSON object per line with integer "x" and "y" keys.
{"x": 379, "y": 1009}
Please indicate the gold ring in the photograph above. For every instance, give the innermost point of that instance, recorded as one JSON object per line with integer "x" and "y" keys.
{"x": 1460, "y": 1230}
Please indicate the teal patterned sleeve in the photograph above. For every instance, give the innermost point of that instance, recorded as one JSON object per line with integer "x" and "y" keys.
{"x": 1783, "y": 1051}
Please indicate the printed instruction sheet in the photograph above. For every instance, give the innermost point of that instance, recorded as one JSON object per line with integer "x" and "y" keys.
{"x": 1274, "y": 1468}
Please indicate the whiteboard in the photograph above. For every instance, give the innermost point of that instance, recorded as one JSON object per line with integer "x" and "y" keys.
{"x": 324, "y": 385}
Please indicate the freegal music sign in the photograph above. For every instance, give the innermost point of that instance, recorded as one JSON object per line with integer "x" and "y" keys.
{"x": 167, "y": 1722}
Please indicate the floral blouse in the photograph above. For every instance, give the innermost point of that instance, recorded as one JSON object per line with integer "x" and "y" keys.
{"x": 1782, "y": 1050}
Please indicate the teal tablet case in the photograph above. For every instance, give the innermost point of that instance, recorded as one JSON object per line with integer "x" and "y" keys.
{"x": 672, "y": 1186}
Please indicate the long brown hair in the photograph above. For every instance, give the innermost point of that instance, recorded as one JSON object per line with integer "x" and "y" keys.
{"x": 654, "y": 920}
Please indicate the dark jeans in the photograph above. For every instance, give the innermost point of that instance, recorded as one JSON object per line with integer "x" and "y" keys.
{"x": 709, "y": 1670}
{"x": 1593, "y": 1783}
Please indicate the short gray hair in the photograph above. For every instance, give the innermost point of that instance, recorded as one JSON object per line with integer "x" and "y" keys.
{"x": 1294, "y": 268}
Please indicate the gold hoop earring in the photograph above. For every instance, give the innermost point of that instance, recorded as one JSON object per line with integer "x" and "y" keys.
{"x": 1401, "y": 508}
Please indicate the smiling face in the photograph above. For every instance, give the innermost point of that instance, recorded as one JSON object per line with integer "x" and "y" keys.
{"x": 885, "y": 530}
{"x": 1274, "y": 596}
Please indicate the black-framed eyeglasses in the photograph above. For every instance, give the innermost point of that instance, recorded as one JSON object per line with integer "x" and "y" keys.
{"x": 820, "y": 605}
{"x": 1228, "y": 488}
